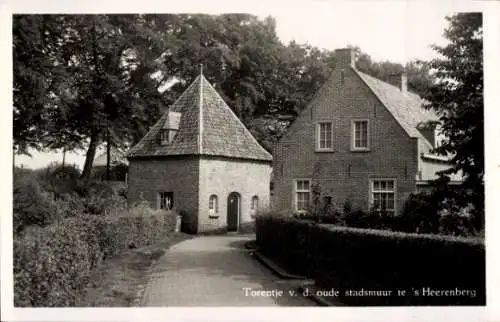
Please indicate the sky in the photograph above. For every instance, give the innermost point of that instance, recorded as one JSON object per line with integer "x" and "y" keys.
{"x": 398, "y": 31}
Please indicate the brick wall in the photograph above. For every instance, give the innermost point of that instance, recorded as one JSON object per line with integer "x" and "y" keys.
{"x": 343, "y": 174}
{"x": 221, "y": 176}
{"x": 172, "y": 174}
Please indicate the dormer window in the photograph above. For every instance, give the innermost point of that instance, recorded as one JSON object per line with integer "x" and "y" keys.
{"x": 170, "y": 127}
{"x": 167, "y": 136}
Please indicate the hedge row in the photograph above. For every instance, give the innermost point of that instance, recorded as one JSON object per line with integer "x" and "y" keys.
{"x": 347, "y": 258}
{"x": 52, "y": 265}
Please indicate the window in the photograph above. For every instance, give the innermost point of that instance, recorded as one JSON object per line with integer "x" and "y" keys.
{"x": 302, "y": 194}
{"x": 255, "y": 203}
{"x": 360, "y": 139}
{"x": 325, "y": 136}
{"x": 166, "y": 200}
{"x": 383, "y": 195}
{"x": 167, "y": 136}
{"x": 212, "y": 203}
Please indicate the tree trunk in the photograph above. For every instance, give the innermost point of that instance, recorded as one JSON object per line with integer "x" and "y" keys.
{"x": 64, "y": 157}
{"x": 108, "y": 156}
{"x": 89, "y": 158}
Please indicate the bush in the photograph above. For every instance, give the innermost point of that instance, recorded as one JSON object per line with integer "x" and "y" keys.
{"x": 57, "y": 179}
{"x": 69, "y": 205}
{"x": 31, "y": 205}
{"x": 457, "y": 225}
{"x": 58, "y": 192}
{"x": 422, "y": 213}
{"x": 348, "y": 258}
{"x": 52, "y": 265}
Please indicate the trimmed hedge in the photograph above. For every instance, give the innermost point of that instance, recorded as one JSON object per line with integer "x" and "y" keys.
{"x": 347, "y": 258}
{"x": 52, "y": 265}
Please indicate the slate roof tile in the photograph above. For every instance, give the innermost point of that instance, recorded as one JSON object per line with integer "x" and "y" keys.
{"x": 406, "y": 107}
{"x": 220, "y": 130}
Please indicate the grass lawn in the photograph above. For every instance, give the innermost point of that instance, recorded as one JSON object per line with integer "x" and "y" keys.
{"x": 120, "y": 281}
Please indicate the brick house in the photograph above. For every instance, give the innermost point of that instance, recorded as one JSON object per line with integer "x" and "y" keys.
{"x": 359, "y": 139}
{"x": 200, "y": 160}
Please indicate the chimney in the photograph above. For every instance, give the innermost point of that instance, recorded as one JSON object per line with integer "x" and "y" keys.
{"x": 344, "y": 58}
{"x": 400, "y": 81}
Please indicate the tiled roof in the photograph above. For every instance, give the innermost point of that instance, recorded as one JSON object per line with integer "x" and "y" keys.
{"x": 406, "y": 107}
{"x": 220, "y": 132}
{"x": 116, "y": 157}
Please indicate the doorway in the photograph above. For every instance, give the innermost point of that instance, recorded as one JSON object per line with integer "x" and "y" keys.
{"x": 233, "y": 211}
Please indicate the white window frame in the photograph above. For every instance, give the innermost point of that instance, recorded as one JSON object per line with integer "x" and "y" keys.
{"x": 167, "y": 136}
{"x": 318, "y": 136}
{"x": 296, "y": 191}
{"x": 353, "y": 135}
{"x": 213, "y": 203}
{"x": 254, "y": 203}
{"x": 394, "y": 191}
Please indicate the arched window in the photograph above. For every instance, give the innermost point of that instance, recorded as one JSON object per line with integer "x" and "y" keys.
{"x": 255, "y": 203}
{"x": 212, "y": 203}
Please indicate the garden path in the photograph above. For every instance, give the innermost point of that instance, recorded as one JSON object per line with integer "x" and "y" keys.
{"x": 217, "y": 271}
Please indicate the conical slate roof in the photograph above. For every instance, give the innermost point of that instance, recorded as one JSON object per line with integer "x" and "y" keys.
{"x": 207, "y": 127}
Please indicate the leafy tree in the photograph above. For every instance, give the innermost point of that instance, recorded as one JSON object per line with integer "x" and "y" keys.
{"x": 82, "y": 79}
{"x": 458, "y": 100}
{"x": 38, "y": 75}
{"x": 264, "y": 82}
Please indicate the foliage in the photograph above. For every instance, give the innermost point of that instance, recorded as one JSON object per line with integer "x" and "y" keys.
{"x": 420, "y": 214}
{"x": 444, "y": 210}
{"x": 52, "y": 265}
{"x": 343, "y": 258}
{"x": 46, "y": 195}
{"x": 458, "y": 100}
{"x": 80, "y": 80}
{"x": 32, "y": 205}
{"x": 89, "y": 71}
{"x": 57, "y": 179}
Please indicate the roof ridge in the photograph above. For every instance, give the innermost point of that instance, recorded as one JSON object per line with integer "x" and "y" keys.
{"x": 387, "y": 83}
{"x": 238, "y": 120}
{"x": 160, "y": 119}
{"x": 200, "y": 116}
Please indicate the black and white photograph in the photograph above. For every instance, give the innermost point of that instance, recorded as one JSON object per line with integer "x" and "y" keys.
{"x": 322, "y": 154}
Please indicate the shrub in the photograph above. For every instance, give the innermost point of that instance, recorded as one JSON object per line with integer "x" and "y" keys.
{"x": 52, "y": 265}
{"x": 57, "y": 179}
{"x": 347, "y": 208}
{"x": 70, "y": 205}
{"x": 420, "y": 214}
{"x": 348, "y": 258}
{"x": 457, "y": 225}
{"x": 31, "y": 205}
{"x": 360, "y": 219}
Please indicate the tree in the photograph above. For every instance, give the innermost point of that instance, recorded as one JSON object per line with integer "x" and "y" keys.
{"x": 37, "y": 76}
{"x": 262, "y": 80}
{"x": 82, "y": 79}
{"x": 458, "y": 100}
